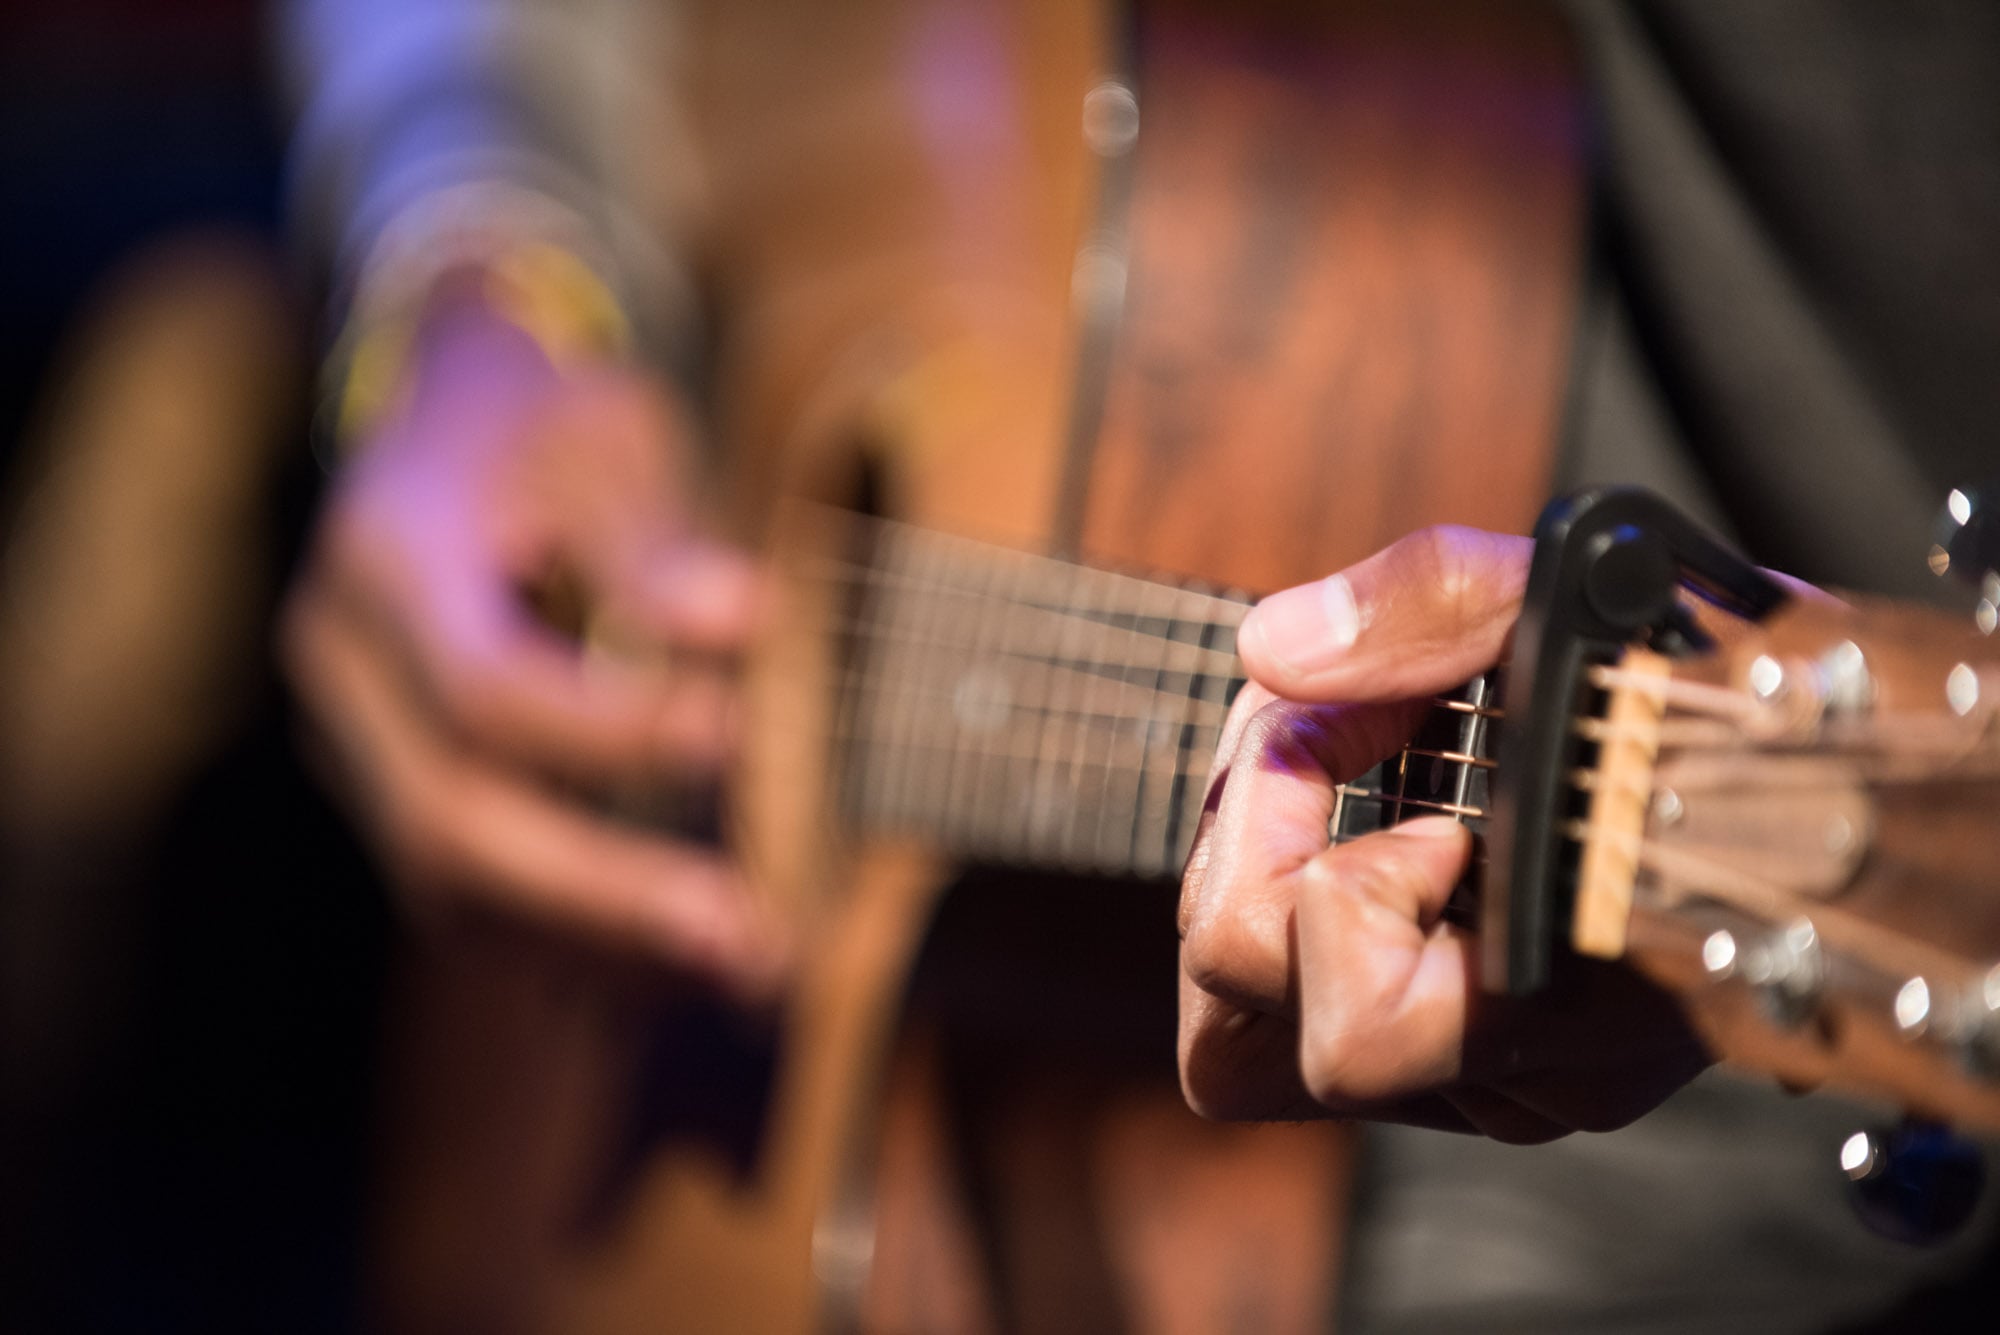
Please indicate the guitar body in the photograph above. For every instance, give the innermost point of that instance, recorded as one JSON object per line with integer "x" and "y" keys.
{"x": 1323, "y": 298}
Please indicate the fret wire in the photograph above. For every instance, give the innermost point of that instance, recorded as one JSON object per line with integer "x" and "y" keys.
{"x": 941, "y": 725}
{"x": 1115, "y": 811}
{"x": 955, "y": 608}
{"x": 1471, "y": 737}
{"x": 986, "y": 811}
{"x": 1452, "y": 757}
{"x": 1465, "y": 707}
{"x": 1193, "y": 756}
{"x": 1039, "y": 801}
{"x": 1335, "y": 821}
{"x": 1402, "y": 772}
{"x": 1087, "y": 799}
{"x": 1065, "y": 776}
{"x": 862, "y": 790}
{"x": 1160, "y": 765}
{"x": 1121, "y": 782}
{"x": 1084, "y": 587}
{"x": 1187, "y": 807}
{"x": 1045, "y": 796}
{"x": 916, "y": 793}
{"x": 1134, "y": 809}
{"x": 1077, "y": 827}
{"x": 894, "y": 741}
{"x": 1354, "y": 793}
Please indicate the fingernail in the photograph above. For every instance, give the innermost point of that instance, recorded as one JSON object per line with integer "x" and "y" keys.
{"x": 1307, "y": 627}
{"x": 1430, "y": 827}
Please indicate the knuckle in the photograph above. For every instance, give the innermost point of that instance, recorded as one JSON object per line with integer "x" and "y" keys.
{"x": 1232, "y": 1065}
{"x": 1437, "y": 564}
{"x": 1350, "y": 1068}
{"x": 1212, "y": 953}
{"x": 1287, "y": 733}
{"x": 1450, "y": 569}
{"x": 1327, "y": 1067}
{"x": 1214, "y": 1101}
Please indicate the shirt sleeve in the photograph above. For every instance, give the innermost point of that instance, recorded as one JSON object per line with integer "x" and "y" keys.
{"x": 570, "y": 103}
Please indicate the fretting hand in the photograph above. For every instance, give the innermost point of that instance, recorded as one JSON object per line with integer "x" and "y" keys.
{"x": 1323, "y": 980}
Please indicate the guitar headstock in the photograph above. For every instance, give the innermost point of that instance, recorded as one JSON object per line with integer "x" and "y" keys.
{"x": 1792, "y": 823}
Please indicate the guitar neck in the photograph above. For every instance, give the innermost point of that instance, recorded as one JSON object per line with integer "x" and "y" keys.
{"x": 1021, "y": 710}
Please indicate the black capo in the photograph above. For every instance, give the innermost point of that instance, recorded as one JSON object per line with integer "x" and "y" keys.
{"x": 1608, "y": 567}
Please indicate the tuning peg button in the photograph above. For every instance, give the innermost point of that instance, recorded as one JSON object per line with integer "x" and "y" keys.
{"x": 1788, "y": 970}
{"x": 1968, "y": 545}
{"x": 1916, "y": 1182}
{"x": 1978, "y": 1030}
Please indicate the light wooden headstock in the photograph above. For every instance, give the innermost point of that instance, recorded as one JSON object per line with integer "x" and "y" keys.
{"x": 1798, "y": 833}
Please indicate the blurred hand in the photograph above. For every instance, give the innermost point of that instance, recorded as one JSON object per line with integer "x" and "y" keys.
{"x": 1323, "y": 980}
{"x": 461, "y": 722}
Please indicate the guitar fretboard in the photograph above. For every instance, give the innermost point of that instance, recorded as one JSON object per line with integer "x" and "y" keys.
{"x": 1021, "y": 710}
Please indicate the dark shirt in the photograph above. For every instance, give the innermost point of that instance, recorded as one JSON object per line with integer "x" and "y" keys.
{"x": 1793, "y": 326}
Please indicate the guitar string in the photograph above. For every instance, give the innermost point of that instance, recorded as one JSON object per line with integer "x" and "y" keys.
{"x": 823, "y": 565}
{"x": 1701, "y": 721}
{"x": 838, "y": 571}
{"x": 907, "y": 576}
{"x": 1057, "y": 616}
{"x": 1891, "y": 953}
{"x": 904, "y": 683}
{"x": 1703, "y": 702}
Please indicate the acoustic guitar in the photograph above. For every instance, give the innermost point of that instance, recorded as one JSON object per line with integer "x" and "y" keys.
{"x": 1071, "y": 284}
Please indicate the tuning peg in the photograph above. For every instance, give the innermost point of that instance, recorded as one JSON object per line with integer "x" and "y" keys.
{"x": 1968, "y": 545}
{"x": 1916, "y": 1182}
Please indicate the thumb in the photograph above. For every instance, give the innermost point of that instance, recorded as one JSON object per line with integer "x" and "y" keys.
{"x": 1417, "y": 617}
